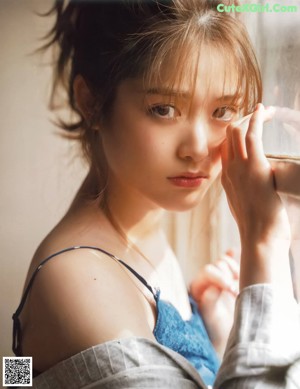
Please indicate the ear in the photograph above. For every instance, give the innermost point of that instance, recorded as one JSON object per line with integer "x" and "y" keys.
{"x": 84, "y": 98}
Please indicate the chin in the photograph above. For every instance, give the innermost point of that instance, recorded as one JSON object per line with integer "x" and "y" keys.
{"x": 185, "y": 204}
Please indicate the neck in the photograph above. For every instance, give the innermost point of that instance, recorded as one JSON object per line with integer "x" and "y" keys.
{"x": 136, "y": 222}
{"x": 137, "y": 217}
{"x": 135, "y": 231}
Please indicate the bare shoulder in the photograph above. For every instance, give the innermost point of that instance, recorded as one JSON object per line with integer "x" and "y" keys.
{"x": 81, "y": 298}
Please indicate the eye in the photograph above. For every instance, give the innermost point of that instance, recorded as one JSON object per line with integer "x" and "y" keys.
{"x": 163, "y": 111}
{"x": 225, "y": 113}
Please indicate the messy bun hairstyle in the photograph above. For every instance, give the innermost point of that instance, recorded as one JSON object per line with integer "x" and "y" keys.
{"x": 109, "y": 41}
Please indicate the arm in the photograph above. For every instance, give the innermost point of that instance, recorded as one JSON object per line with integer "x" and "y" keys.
{"x": 265, "y": 337}
{"x": 263, "y": 350}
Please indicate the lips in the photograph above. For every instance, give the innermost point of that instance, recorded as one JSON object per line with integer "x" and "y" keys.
{"x": 188, "y": 180}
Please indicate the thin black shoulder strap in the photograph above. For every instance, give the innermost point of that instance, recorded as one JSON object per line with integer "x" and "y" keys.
{"x": 27, "y": 290}
{"x": 16, "y": 325}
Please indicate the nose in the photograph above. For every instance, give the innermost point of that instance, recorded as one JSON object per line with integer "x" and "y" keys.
{"x": 195, "y": 144}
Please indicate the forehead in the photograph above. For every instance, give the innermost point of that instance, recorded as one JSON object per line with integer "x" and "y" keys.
{"x": 206, "y": 74}
{"x": 216, "y": 75}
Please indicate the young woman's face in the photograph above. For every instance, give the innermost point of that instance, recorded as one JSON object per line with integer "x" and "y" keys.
{"x": 166, "y": 150}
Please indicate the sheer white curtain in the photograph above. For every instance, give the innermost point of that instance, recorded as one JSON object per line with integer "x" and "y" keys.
{"x": 276, "y": 37}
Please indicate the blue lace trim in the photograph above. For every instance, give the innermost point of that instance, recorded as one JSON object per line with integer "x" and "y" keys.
{"x": 189, "y": 338}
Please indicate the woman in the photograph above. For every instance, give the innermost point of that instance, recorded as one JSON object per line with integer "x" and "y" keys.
{"x": 155, "y": 86}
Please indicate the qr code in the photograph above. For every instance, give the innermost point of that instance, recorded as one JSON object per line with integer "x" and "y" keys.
{"x": 17, "y": 371}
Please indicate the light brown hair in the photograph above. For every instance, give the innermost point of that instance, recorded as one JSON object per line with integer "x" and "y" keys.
{"x": 109, "y": 41}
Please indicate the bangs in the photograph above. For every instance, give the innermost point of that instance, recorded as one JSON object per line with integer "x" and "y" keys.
{"x": 242, "y": 70}
{"x": 176, "y": 63}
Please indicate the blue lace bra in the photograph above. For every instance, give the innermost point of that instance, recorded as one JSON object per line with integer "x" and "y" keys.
{"x": 187, "y": 337}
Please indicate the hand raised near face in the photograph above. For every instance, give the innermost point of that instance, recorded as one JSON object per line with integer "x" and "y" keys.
{"x": 247, "y": 178}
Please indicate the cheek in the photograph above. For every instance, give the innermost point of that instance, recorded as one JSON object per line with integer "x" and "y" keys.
{"x": 218, "y": 136}
{"x": 216, "y": 162}
{"x": 132, "y": 148}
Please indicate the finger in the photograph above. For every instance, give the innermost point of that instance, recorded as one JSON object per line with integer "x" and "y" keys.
{"x": 210, "y": 297}
{"x": 234, "y": 252}
{"x": 230, "y": 279}
{"x": 269, "y": 113}
{"x": 233, "y": 266}
{"x": 238, "y": 143}
{"x": 224, "y": 154}
{"x": 225, "y": 269}
{"x": 230, "y": 148}
{"x": 243, "y": 122}
{"x": 208, "y": 276}
{"x": 230, "y": 272}
{"x": 254, "y": 143}
{"x": 219, "y": 276}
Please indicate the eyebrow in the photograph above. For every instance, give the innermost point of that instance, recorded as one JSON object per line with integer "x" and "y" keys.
{"x": 165, "y": 92}
{"x": 185, "y": 94}
{"x": 235, "y": 97}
